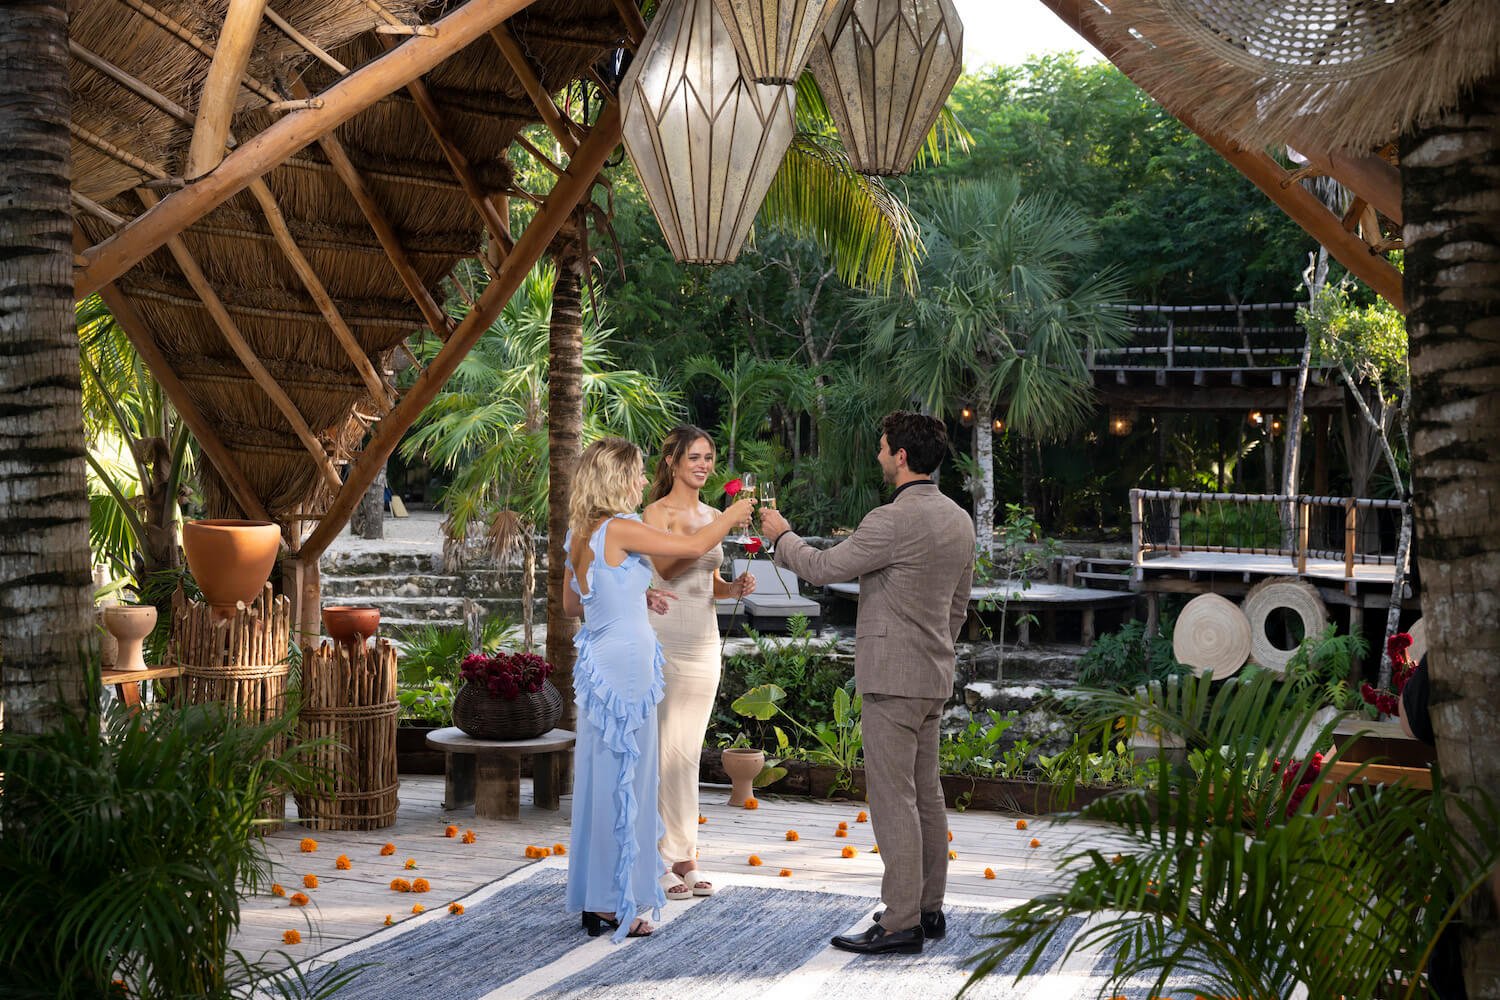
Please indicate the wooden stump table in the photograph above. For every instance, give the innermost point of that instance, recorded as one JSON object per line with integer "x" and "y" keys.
{"x": 487, "y": 773}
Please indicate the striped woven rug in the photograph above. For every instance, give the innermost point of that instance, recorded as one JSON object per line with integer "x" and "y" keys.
{"x": 748, "y": 941}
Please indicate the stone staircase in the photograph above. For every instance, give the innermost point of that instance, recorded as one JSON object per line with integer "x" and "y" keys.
{"x": 411, "y": 589}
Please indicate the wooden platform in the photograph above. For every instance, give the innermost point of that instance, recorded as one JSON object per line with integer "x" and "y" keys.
{"x": 350, "y": 904}
{"x": 1235, "y": 573}
{"x": 1044, "y": 600}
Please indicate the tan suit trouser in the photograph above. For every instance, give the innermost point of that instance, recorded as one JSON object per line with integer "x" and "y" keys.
{"x": 906, "y": 804}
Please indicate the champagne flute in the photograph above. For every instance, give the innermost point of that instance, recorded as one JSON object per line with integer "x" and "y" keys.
{"x": 747, "y": 490}
{"x": 767, "y": 499}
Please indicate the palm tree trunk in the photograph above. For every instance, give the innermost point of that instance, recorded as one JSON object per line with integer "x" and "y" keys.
{"x": 984, "y": 486}
{"x": 1452, "y": 205}
{"x": 564, "y": 438}
{"x": 45, "y": 584}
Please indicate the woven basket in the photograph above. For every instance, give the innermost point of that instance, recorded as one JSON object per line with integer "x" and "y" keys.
{"x": 486, "y": 717}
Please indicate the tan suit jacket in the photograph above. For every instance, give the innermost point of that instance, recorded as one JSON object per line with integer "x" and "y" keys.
{"x": 914, "y": 559}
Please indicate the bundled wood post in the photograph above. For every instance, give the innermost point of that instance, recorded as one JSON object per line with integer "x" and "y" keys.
{"x": 241, "y": 662}
{"x": 349, "y": 698}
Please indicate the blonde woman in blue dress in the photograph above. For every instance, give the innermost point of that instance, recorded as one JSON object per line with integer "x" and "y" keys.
{"x": 689, "y": 635}
{"x": 613, "y": 867}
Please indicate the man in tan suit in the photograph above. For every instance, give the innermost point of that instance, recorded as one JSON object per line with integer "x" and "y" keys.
{"x": 914, "y": 558}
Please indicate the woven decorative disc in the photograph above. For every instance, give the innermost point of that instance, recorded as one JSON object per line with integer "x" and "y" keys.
{"x": 1281, "y": 592}
{"x": 1418, "y": 633}
{"x": 1211, "y": 634}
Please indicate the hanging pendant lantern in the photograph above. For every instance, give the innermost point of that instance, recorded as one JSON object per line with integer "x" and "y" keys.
{"x": 774, "y": 38}
{"x": 885, "y": 68}
{"x": 706, "y": 141}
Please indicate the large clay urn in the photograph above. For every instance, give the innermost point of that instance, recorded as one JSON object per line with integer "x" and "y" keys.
{"x": 231, "y": 560}
{"x": 742, "y": 765}
{"x": 130, "y": 624}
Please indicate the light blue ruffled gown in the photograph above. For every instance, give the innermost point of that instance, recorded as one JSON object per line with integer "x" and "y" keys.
{"x": 613, "y": 865}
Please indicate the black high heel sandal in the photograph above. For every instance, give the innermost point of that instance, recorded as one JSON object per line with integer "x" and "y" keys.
{"x": 596, "y": 925}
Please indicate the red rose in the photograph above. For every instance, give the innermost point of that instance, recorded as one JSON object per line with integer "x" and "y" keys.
{"x": 733, "y": 487}
{"x": 754, "y": 545}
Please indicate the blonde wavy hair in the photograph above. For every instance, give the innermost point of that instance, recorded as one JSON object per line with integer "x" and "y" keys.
{"x": 605, "y": 483}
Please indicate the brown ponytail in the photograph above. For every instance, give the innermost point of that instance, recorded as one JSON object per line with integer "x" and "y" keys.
{"x": 678, "y": 441}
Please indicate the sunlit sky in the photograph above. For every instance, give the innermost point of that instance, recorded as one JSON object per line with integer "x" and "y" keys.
{"x": 1007, "y": 31}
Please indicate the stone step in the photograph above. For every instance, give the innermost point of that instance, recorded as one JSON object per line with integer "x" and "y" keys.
{"x": 445, "y": 609}
{"x": 479, "y": 584}
{"x": 1041, "y": 663}
{"x": 376, "y": 563}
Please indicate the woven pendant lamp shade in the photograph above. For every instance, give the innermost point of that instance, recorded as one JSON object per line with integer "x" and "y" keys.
{"x": 885, "y": 68}
{"x": 706, "y": 142}
{"x": 1320, "y": 74}
{"x": 774, "y": 38}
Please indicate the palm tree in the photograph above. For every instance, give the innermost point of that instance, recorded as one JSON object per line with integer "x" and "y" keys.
{"x": 45, "y": 583}
{"x": 1004, "y": 318}
{"x": 749, "y": 386}
{"x": 126, "y": 414}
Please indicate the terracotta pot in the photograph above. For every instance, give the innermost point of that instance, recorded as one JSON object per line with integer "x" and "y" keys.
{"x": 231, "y": 560}
{"x": 742, "y": 765}
{"x": 130, "y": 624}
{"x": 350, "y": 623}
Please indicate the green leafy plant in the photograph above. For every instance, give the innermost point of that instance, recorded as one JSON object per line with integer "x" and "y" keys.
{"x": 974, "y": 750}
{"x": 1128, "y": 658}
{"x": 1322, "y": 664}
{"x": 836, "y": 744}
{"x": 126, "y": 842}
{"x": 431, "y": 656}
{"x": 1020, "y": 552}
{"x": 1233, "y": 878}
{"x": 798, "y": 663}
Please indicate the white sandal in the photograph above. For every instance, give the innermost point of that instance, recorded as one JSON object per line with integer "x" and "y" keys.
{"x": 699, "y": 886}
{"x": 673, "y": 885}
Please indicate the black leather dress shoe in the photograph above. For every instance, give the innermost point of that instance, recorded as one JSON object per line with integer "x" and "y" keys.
{"x": 934, "y": 924}
{"x": 878, "y": 941}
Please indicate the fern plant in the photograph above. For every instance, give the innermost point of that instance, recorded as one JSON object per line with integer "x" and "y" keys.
{"x": 1232, "y": 883}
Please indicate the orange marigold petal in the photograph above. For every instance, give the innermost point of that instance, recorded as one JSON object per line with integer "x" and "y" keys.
{"x": 754, "y": 861}
{"x": 791, "y": 835}
{"x": 875, "y": 849}
{"x": 421, "y": 885}
{"x": 291, "y": 937}
{"x": 298, "y": 899}
{"x": 786, "y": 873}
{"x": 410, "y": 863}
{"x": 559, "y": 849}
{"x": 450, "y": 831}
{"x": 952, "y": 855}
{"x": 277, "y": 890}
{"x": 843, "y": 825}
{"x": 309, "y": 881}
{"x": 702, "y": 818}
{"x": 469, "y": 837}
{"x": 307, "y": 845}
{"x": 989, "y": 873}
{"x": 388, "y": 920}
{"x": 457, "y": 909}
{"x": 342, "y": 863}
{"x": 752, "y": 804}
{"x": 1035, "y": 842}
{"x": 848, "y": 852}
{"x": 418, "y": 908}
{"x": 950, "y": 836}
{"x": 387, "y": 850}
{"x": 1020, "y": 824}
{"x": 863, "y": 817}
{"x": 841, "y": 833}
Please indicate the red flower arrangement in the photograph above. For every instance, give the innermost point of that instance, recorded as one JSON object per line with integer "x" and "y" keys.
{"x": 506, "y": 675}
{"x": 1402, "y": 667}
{"x": 1289, "y": 779}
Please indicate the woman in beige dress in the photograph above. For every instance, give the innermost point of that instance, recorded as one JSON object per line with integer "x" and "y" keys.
{"x": 689, "y": 635}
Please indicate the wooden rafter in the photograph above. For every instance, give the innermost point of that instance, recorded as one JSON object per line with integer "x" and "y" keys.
{"x": 161, "y": 369}
{"x": 557, "y": 123}
{"x": 222, "y": 85}
{"x": 560, "y": 204}
{"x": 270, "y": 148}
{"x": 307, "y": 44}
{"x": 1264, "y": 172}
{"x": 499, "y": 229}
{"x": 188, "y": 37}
{"x": 436, "y": 319}
{"x": 319, "y": 294}
{"x": 136, "y": 86}
{"x": 242, "y": 350}
{"x": 635, "y": 24}
{"x": 114, "y": 152}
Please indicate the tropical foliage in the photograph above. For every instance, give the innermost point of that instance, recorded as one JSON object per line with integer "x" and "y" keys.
{"x": 1232, "y": 878}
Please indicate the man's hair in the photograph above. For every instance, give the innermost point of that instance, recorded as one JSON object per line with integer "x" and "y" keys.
{"x": 924, "y": 438}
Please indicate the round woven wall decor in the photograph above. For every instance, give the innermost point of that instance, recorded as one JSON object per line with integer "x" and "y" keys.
{"x": 1281, "y": 592}
{"x": 1211, "y": 634}
{"x": 1418, "y": 633}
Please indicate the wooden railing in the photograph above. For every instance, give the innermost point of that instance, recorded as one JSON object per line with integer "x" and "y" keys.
{"x": 1297, "y": 527}
{"x": 1187, "y": 337}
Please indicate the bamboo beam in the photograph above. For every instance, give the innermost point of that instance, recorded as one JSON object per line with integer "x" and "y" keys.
{"x": 138, "y": 87}
{"x": 521, "y": 66}
{"x": 222, "y": 85}
{"x": 307, "y": 44}
{"x": 231, "y": 331}
{"x": 498, "y": 228}
{"x": 319, "y": 294}
{"x": 194, "y": 41}
{"x": 436, "y": 319}
{"x": 1261, "y": 170}
{"x": 161, "y": 369}
{"x": 561, "y": 202}
{"x": 270, "y": 148}
{"x": 1371, "y": 178}
{"x": 635, "y": 24}
{"x": 114, "y": 152}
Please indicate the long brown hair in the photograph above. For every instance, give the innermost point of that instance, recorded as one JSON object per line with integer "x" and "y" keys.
{"x": 678, "y": 441}
{"x": 604, "y": 483}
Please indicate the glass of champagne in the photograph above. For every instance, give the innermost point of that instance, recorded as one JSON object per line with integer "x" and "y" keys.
{"x": 747, "y": 491}
{"x": 767, "y": 498}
